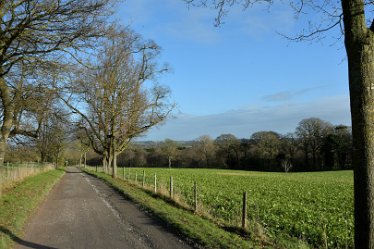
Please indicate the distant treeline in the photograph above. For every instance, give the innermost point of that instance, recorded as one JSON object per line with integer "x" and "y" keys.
{"x": 315, "y": 145}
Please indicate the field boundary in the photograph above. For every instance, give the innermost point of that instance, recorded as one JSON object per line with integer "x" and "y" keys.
{"x": 199, "y": 229}
{"x": 311, "y": 208}
{"x": 20, "y": 201}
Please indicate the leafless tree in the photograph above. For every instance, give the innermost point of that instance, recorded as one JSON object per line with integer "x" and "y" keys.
{"x": 266, "y": 145}
{"x": 36, "y": 35}
{"x": 170, "y": 149}
{"x": 114, "y": 96}
{"x": 51, "y": 138}
{"x": 206, "y": 147}
{"x": 311, "y": 132}
{"x": 228, "y": 149}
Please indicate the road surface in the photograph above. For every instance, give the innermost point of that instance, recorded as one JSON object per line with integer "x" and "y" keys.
{"x": 82, "y": 211}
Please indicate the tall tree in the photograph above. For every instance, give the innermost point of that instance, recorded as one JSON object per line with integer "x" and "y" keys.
{"x": 266, "y": 145}
{"x": 111, "y": 96}
{"x": 170, "y": 149}
{"x": 51, "y": 137}
{"x": 353, "y": 18}
{"x": 206, "y": 147}
{"x": 228, "y": 149}
{"x": 311, "y": 132}
{"x": 36, "y": 35}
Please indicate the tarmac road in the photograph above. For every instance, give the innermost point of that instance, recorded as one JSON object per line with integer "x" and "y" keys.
{"x": 82, "y": 211}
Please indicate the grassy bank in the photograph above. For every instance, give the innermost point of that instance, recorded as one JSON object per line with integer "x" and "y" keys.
{"x": 10, "y": 174}
{"x": 198, "y": 229}
{"x": 20, "y": 201}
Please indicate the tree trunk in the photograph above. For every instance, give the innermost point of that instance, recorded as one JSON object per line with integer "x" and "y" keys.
{"x": 114, "y": 172}
{"x": 7, "y": 114}
{"x": 359, "y": 43}
{"x": 105, "y": 161}
{"x": 3, "y": 146}
{"x": 109, "y": 164}
{"x": 85, "y": 159}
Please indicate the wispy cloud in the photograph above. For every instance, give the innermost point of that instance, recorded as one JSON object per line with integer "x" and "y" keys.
{"x": 282, "y": 118}
{"x": 289, "y": 95}
{"x": 279, "y": 96}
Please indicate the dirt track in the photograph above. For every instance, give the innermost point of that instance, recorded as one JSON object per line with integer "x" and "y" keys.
{"x": 83, "y": 212}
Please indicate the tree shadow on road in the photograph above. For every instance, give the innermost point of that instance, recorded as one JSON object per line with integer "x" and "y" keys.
{"x": 22, "y": 242}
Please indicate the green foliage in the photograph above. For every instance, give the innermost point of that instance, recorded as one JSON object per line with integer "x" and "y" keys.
{"x": 314, "y": 207}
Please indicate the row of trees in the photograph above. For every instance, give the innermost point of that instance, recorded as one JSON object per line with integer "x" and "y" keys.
{"x": 315, "y": 145}
{"x": 67, "y": 73}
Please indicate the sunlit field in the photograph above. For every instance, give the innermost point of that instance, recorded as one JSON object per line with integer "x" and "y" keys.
{"x": 314, "y": 207}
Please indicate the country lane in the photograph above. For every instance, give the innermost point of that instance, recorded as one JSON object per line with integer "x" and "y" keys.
{"x": 82, "y": 211}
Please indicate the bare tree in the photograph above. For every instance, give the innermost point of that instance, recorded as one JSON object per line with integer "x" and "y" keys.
{"x": 111, "y": 97}
{"x": 51, "y": 139}
{"x": 289, "y": 148}
{"x": 206, "y": 147}
{"x": 266, "y": 145}
{"x": 170, "y": 149}
{"x": 228, "y": 149}
{"x": 311, "y": 132}
{"x": 39, "y": 34}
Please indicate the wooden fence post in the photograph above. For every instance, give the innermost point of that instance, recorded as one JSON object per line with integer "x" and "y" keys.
{"x": 136, "y": 177}
{"x": 195, "y": 195}
{"x": 155, "y": 183}
{"x": 171, "y": 187}
{"x": 143, "y": 183}
{"x": 244, "y": 211}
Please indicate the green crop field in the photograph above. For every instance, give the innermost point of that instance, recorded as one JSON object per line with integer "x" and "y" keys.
{"x": 314, "y": 207}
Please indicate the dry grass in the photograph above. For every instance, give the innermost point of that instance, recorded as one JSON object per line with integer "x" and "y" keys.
{"x": 13, "y": 173}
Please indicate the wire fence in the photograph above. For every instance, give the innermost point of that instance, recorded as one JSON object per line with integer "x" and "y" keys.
{"x": 252, "y": 212}
{"x": 189, "y": 197}
{"x": 11, "y": 173}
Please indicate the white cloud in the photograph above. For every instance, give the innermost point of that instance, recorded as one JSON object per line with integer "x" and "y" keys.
{"x": 242, "y": 123}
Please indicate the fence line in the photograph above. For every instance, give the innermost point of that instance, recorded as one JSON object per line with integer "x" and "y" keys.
{"x": 167, "y": 189}
{"x": 11, "y": 173}
{"x": 233, "y": 212}
{"x": 153, "y": 183}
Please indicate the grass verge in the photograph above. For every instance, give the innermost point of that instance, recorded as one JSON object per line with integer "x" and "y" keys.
{"x": 200, "y": 231}
{"x": 19, "y": 202}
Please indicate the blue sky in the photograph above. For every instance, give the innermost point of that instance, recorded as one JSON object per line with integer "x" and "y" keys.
{"x": 241, "y": 77}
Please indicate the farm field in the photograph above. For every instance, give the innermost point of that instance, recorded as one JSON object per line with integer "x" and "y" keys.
{"x": 314, "y": 207}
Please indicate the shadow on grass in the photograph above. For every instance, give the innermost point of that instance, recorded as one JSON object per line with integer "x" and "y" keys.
{"x": 22, "y": 242}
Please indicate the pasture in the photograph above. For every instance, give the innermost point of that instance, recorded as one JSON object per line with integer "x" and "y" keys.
{"x": 314, "y": 207}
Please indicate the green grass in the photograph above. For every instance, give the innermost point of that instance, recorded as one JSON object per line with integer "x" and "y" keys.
{"x": 198, "y": 229}
{"x": 20, "y": 201}
{"x": 316, "y": 208}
